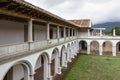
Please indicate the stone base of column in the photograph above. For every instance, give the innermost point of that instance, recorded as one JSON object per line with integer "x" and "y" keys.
{"x": 48, "y": 43}
{"x": 100, "y": 53}
{"x": 31, "y": 46}
{"x": 73, "y": 56}
{"x": 70, "y": 60}
{"x": 65, "y": 64}
{"x": 50, "y": 77}
{"x": 113, "y": 54}
{"x": 59, "y": 70}
{"x": 88, "y": 53}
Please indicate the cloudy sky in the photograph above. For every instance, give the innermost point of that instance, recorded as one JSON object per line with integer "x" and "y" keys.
{"x": 97, "y": 10}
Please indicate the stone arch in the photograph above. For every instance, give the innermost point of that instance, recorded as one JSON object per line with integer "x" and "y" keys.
{"x": 94, "y": 47}
{"x": 107, "y": 48}
{"x": 68, "y": 53}
{"x": 118, "y": 48}
{"x": 41, "y": 67}
{"x": 72, "y": 50}
{"x": 55, "y": 61}
{"x": 23, "y": 68}
{"x": 63, "y": 58}
{"x": 83, "y": 46}
{"x": 75, "y": 47}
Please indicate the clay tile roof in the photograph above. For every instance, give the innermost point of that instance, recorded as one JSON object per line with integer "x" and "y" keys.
{"x": 82, "y": 22}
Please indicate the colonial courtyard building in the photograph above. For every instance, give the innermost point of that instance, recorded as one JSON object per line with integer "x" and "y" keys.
{"x": 36, "y": 44}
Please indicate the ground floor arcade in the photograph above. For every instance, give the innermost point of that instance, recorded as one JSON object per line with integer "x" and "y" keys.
{"x": 43, "y": 65}
{"x": 100, "y": 47}
{"x": 46, "y": 64}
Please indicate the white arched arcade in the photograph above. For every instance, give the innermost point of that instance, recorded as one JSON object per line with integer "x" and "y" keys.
{"x": 41, "y": 67}
{"x": 20, "y": 70}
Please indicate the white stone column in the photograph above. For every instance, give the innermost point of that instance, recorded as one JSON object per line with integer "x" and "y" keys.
{"x": 75, "y": 46}
{"x": 58, "y": 32}
{"x": 26, "y": 75}
{"x": 48, "y": 31}
{"x": 72, "y": 33}
{"x": 64, "y": 60}
{"x": 32, "y": 77}
{"x": 114, "y": 32}
{"x": 78, "y": 47}
{"x": 69, "y": 32}
{"x": 114, "y": 50}
{"x": 70, "y": 58}
{"x": 56, "y": 64}
{"x": 100, "y": 32}
{"x": 88, "y": 32}
{"x": 64, "y": 33}
{"x": 30, "y": 31}
{"x": 88, "y": 49}
{"x": 49, "y": 71}
{"x": 100, "y": 50}
{"x": 70, "y": 55}
{"x": 59, "y": 67}
{"x": 73, "y": 51}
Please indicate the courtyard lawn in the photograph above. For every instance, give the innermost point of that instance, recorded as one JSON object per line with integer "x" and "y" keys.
{"x": 89, "y": 67}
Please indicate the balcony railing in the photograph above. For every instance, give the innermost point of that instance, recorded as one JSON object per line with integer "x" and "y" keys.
{"x": 38, "y": 44}
{"x": 61, "y": 40}
{"x": 67, "y": 39}
{"x": 12, "y": 49}
{"x": 101, "y": 37}
{"x": 53, "y": 41}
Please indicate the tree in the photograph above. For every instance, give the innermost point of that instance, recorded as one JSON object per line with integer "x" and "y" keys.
{"x": 117, "y": 30}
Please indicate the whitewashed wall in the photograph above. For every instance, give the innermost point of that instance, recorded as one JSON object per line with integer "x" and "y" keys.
{"x": 38, "y": 63}
{"x": 83, "y": 33}
{"x": 11, "y": 32}
{"x": 40, "y": 32}
{"x": 18, "y": 72}
{"x": 54, "y": 32}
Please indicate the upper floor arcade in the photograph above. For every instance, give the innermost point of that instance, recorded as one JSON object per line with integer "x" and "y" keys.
{"x": 98, "y": 34}
{"x": 25, "y": 27}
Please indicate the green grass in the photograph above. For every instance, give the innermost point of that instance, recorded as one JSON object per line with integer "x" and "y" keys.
{"x": 89, "y": 67}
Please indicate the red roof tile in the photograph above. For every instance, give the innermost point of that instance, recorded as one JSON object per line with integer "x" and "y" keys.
{"x": 82, "y": 22}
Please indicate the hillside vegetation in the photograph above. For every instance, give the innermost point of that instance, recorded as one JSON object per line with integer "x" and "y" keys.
{"x": 117, "y": 29}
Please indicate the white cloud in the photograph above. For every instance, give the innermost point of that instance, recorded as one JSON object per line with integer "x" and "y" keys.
{"x": 97, "y": 10}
